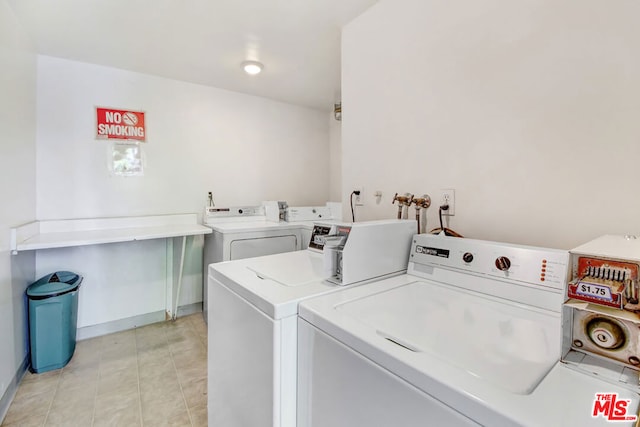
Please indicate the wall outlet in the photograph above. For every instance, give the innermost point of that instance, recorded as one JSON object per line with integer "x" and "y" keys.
{"x": 358, "y": 199}
{"x": 448, "y": 197}
{"x": 377, "y": 195}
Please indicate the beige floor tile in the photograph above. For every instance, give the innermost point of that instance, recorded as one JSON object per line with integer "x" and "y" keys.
{"x": 128, "y": 416}
{"x": 205, "y": 341}
{"x": 195, "y": 393}
{"x": 192, "y": 371}
{"x": 154, "y": 328}
{"x": 76, "y": 376}
{"x": 123, "y": 381}
{"x": 181, "y": 420}
{"x": 153, "y": 376}
{"x": 69, "y": 416}
{"x": 30, "y": 421}
{"x": 190, "y": 344}
{"x": 86, "y": 352}
{"x": 157, "y": 347}
{"x": 118, "y": 352}
{"x": 28, "y": 388}
{"x": 176, "y": 331}
{"x": 150, "y": 354}
{"x": 199, "y": 416}
{"x": 118, "y": 345}
{"x": 165, "y": 412}
{"x": 90, "y": 344}
{"x": 160, "y": 389}
{"x": 151, "y": 341}
{"x": 31, "y": 377}
{"x": 27, "y": 406}
{"x": 79, "y": 398}
{"x": 186, "y": 358}
{"x": 84, "y": 360}
{"x": 115, "y": 401}
{"x": 112, "y": 366}
{"x": 118, "y": 338}
{"x": 160, "y": 367}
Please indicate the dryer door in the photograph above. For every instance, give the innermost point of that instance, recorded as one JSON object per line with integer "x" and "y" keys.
{"x": 253, "y": 247}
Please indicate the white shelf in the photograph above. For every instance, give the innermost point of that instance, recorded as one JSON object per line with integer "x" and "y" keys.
{"x": 93, "y": 231}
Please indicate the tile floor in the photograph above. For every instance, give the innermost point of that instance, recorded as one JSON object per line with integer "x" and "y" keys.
{"x": 155, "y": 375}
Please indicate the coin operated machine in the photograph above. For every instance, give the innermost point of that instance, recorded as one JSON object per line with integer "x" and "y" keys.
{"x": 364, "y": 250}
{"x": 601, "y": 317}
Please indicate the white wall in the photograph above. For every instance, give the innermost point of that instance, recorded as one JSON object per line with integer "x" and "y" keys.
{"x": 335, "y": 159}
{"x": 529, "y": 110}
{"x": 242, "y": 148}
{"x": 17, "y": 192}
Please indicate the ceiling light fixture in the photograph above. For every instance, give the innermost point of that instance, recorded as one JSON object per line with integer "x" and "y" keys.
{"x": 252, "y": 67}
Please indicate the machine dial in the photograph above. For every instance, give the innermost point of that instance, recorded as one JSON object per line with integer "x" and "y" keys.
{"x": 503, "y": 263}
{"x": 467, "y": 257}
{"x": 605, "y": 333}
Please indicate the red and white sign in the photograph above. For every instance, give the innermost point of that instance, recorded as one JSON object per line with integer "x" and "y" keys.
{"x": 609, "y": 407}
{"x": 120, "y": 124}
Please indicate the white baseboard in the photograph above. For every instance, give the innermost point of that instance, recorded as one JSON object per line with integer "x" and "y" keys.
{"x": 132, "y": 322}
{"x": 119, "y": 325}
{"x": 186, "y": 310}
{"x": 10, "y": 393}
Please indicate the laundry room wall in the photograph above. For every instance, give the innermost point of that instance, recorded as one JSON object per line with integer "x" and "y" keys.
{"x": 529, "y": 110}
{"x": 335, "y": 159}
{"x": 244, "y": 149}
{"x": 17, "y": 172}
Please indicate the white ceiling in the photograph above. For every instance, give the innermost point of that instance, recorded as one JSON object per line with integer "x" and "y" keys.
{"x": 204, "y": 41}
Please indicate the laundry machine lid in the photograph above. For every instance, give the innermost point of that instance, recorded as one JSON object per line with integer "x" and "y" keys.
{"x": 295, "y": 269}
{"x": 611, "y": 246}
{"x": 508, "y": 344}
{"x": 275, "y": 284}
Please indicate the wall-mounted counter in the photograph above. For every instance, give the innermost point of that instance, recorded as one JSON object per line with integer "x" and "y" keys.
{"x": 52, "y": 234}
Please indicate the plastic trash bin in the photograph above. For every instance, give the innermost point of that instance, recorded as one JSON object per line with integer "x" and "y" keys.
{"x": 53, "y": 315}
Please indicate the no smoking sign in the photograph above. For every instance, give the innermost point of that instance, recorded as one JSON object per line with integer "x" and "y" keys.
{"x": 120, "y": 124}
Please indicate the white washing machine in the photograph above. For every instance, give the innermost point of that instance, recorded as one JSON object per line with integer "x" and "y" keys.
{"x": 471, "y": 335}
{"x": 253, "y": 315}
{"x": 248, "y": 231}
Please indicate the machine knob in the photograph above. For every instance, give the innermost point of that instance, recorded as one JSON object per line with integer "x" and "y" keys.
{"x": 467, "y": 257}
{"x": 605, "y": 333}
{"x": 503, "y": 263}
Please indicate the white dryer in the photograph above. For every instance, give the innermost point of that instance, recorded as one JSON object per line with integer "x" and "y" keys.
{"x": 244, "y": 232}
{"x": 253, "y": 231}
{"x": 471, "y": 335}
{"x": 253, "y": 316}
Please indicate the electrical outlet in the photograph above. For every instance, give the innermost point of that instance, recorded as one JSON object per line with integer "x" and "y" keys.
{"x": 358, "y": 199}
{"x": 448, "y": 197}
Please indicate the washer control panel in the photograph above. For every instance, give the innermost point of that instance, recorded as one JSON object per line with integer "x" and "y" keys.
{"x": 533, "y": 265}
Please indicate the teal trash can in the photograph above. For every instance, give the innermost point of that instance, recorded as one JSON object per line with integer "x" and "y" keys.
{"x": 53, "y": 318}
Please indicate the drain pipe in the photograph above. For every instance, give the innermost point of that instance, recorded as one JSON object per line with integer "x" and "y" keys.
{"x": 402, "y": 202}
{"x": 421, "y": 203}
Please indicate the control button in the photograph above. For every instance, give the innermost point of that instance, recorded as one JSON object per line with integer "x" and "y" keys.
{"x": 503, "y": 263}
{"x": 467, "y": 257}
